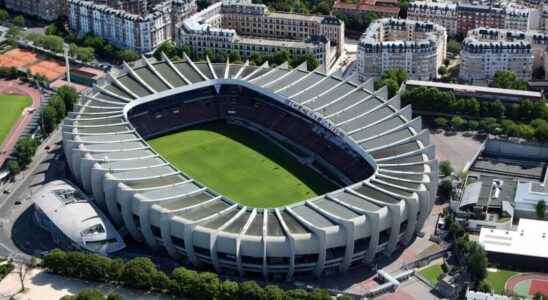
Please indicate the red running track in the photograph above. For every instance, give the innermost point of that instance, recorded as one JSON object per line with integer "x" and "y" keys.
{"x": 513, "y": 281}
{"x": 18, "y": 88}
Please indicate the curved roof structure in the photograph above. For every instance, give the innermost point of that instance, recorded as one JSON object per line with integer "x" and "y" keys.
{"x": 164, "y": 207}
{"x": 71, "y": 214}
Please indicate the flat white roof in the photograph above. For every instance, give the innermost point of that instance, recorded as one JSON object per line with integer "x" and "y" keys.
{"x": 474, "y": 88}
{"x": 530, "y": 239}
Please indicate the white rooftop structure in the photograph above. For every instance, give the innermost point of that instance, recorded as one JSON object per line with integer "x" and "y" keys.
{"x": 530, "y": 239}
{"x": 77, "y": 218}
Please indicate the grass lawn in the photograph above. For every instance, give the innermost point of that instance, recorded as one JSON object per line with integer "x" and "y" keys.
{"x": 11, "y": 107}
{"x": 431, "y": 273}
{"x": 498, "y": 279}
{"x": 241, "y": 164}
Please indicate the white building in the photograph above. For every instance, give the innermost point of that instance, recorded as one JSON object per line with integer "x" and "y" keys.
{"x": 142, "y": 31}
{"x": 248, "y": 28}
{"x": 416, "y": 46}
{"x": 441, "y": 13}
{"x": 73, "y": 221}
{"x": 486, "y": 51}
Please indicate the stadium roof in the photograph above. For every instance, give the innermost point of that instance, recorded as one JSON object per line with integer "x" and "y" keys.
{"x": 376, "y": 127}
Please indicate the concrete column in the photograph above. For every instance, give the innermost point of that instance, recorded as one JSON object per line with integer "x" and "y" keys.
{"x": 395, "y": 214}
{"x": 165, "y": 227}
{"x": 97, "y": 178}
{"x": 189, "y": 244}
{"x": 85, "y": 170}
{"x": 373, "y": 221}
{"x": 109, "y": 187}
{"x": 144, "y": 219}
{"x": 125, "y": 196}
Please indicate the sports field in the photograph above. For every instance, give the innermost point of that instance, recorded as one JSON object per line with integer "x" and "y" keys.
{"x": 241, "y": 164}
{"x": 11, "y": 107}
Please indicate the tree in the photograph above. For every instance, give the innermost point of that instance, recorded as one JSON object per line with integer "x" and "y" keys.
{"x": 280, "y": 57}
{"x": 4, "y": 15}
{"x": 167, "y": 47}
{"x": 445, "y": 188}
{"x": 114, "y": 296}
{"x": 473, "y": 125}
{"x": 183, "y": 281}
{"x": 24, "y": 151}
{"x": 297, "y": 294}
{"x": 442, "y": 70}
{"x": 445, "y": 168}
{"x": 476, "y": 261}
{"x": 457, "y": 122}
{"x": 539, "y": 73}
{"x": 139, "y": 273}
{"x": 89, "y": 294}
{"x": 18, "y": 21}
{"x": 13, "y": 167}
{"x": 440, "y": 122}
{"x": 69, "y": 96}
{"x": 206, "y": 287}
{"x": 128, "y": 55}
{"x": 250, "y": 290}
{"x": 453, "y": 47}
{"x": 48, "y": 119}
{"x": 390, "y": 84}
{"x": 229, "y": 290}
{"x": 540, "y": 209}
{"x": 52, "y": 42}
{"x": 235, "y": 57}
{"x": 59, "y": 106}
{"x": 274, "y": 292}
{"x": 508, "y": 80}
{"x": 319, "y": 294}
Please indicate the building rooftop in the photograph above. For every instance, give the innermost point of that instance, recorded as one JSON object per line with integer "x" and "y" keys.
{"x": 529, "y": 239}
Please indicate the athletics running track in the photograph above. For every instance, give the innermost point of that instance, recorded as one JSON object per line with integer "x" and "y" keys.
{"x": 528, "y": 284}
{"x": 18, "y": 88}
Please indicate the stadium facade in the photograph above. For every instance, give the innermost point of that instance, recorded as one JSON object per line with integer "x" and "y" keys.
{"x": 373, "y": 148}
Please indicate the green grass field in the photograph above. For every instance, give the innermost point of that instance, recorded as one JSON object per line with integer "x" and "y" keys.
{"x": 11, "y": 107}
{"x": 241, "y": 164}
{"x": 498, "y": 279}
{"x": 431, "y": 273}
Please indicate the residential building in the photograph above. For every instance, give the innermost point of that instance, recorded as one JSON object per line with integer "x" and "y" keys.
{"x": 47, "y": 10}
{"x": 462, "y": 17}
{"x": 444, "y": 14}
{"x": 249, "y": 28}
{"x": 416, "y": 46}
{"x": 141, "y": 28}
{"x": 486, "y": 51}
{"x": 382, "y": 8}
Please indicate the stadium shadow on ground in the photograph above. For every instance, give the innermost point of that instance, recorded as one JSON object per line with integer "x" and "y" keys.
{"x": 241, "y": 164}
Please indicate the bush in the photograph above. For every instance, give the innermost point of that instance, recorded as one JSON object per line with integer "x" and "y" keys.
{"x": 441, "y": 122}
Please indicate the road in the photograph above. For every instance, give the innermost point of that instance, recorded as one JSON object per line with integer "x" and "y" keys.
{"x": 44, "y": 167}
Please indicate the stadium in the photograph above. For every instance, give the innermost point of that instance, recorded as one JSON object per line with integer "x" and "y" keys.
{"x": 360, "y": 174}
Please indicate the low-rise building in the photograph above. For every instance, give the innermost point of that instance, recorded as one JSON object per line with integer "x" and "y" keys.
{"x": 73, "y": 221}
{"x": 47, "y": 10}
{"x": 141, "y": 30}
{"x": 524, "y": 247}
{"x": 486, "y": 51}
{"x": 382, "y": 8}
{"x": 248, "y": 28}
{"x": 418, "y": 47}
{"x": 478, "y": 92}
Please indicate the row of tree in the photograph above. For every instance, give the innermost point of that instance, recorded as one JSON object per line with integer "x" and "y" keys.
{"x": 141, "y": 273}
{"x": 92, "y": 294}
{"x": 60, "y": 103}
{"x": 470, "y": 253}
{"x": 22, "y": 154}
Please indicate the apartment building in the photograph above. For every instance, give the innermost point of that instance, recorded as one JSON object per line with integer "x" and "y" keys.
{"x": 487, "y": 50}
{"x": 248, "y": 28}
{"x": 444, "y": 14}
{"x": 383, "y": 8}
{"x": 463, "y": 17}
{"x": 47, "y": 10}
{"x": 142, "y": 28}
{"x": 416, "y": 46}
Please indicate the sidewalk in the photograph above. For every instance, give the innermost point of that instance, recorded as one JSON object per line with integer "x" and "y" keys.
{"x": 41, "y": 285}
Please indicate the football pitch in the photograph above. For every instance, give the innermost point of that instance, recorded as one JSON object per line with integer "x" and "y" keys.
{"x": 241, "y": 164}
{"x": 11, "y": 107}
